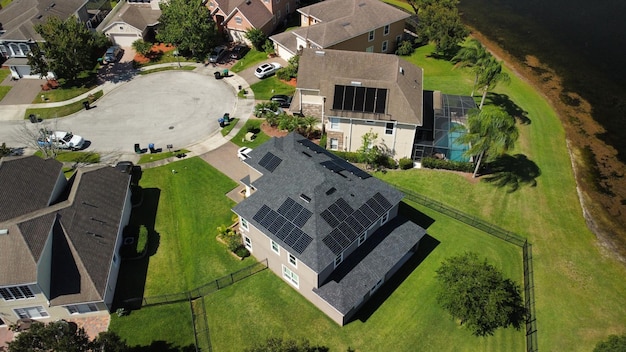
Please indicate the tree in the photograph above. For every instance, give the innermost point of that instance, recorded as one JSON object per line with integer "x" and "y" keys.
{"x": 472, "y": 55}
{"x": 141, "y": 46}
{"x": 280, "y": 345}
{"x": 614, "y": 343}
{"x": 369, "y": 152}
{"x": 4, "y": 150}
{"x": 54, "y": 336}
{"x": 187, "y": 25}
{"x": 439, "y": 21}
{"x": 256, "y": 37}
{"x": 109, "y": 342}
{"x": 37, "y": 62}
{"x": 490, "y": 76}
{"x": 307, "y": 125}
{"x": 491, "y": 132}
{"x": 70, "y": 47}
{"x": 475, "y": 292}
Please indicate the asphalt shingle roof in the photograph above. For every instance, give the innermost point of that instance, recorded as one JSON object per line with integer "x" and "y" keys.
{"x": 19, "y": 18}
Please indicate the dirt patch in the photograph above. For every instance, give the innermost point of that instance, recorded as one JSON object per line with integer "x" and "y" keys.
{"x": 156, "y": 50}
{"x": 272, "y": 131}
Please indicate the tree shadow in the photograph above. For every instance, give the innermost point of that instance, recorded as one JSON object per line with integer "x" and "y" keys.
{"x": 509, "y": 106}
{"x": 513, "y": 172}
{"x": 162, "y": 346}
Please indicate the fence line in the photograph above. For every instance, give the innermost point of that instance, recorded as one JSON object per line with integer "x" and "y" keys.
{"x": 200, "y": 325}
{"x": 508, "y": 236}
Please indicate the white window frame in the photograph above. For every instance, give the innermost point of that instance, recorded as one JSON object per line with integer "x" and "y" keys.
{"x": 334, "y": 123}
{"x": 244, "y": 224}
{"x": 388, "y": 130}
{"x": 23, "y": 313}
{"x": 339, "y": 259}
{"x": 362, "y": 238}
{"x": 384, "y": 218}
{"x": 275, "y": 247}
{"x": 386, "y": 29}
{"x": 371, "y": 36}
{"x": 384, "y": 46}
{"x": 75, "y": 309}
{"x": 334, "y": 144}
{"x": 238, "y": 20}
{"x": 13, "y": 293}
{"x": 292, "y": 260}
{"x": 4, "y": 51}
{"x": 247, "y": 242}
{"x": 291, "y": 276}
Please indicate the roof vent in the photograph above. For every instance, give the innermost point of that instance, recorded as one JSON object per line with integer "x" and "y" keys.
{"x": 4, "y": 231}
{"x": 331, "y": 191}
{"x": 401, "y": 70}
{"x": 362, "y": 4}
{"x": 248, "y": 2}
{"x": 345, "y": 24}
{"x": 320, "y": 53}
{"x": 305, "y": 198}
{"x": 39, "y": 17}
{"x": 355, "y": 83}
{"x": 307, "y": 154}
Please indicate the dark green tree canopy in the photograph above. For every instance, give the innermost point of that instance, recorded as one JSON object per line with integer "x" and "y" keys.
{"x": 477, "y": 294}
{"x": 69, "y": 46}
{"x": 257, "y": 38}
{"x": 613, "y": 343}
{"x": 439, "y": 22}
{"x": 280, "y": 345}
{"x": 64, "y": 336}
{"x": 187, "y": 25}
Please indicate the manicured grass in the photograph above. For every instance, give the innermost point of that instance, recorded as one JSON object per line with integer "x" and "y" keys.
{"x": 150, "y": 157}
{"x": 4, "y": 72}
{"x": 60, "y": 94}
{"x": 184, "y": 68}
{"x": 5, "y": 3}
{"x": 267, "y": 87}
{"x": 226, "y": 130}
{"x": 251, "y": 124}
{"x": 4, "y": 90}
{"x": 50, "y": 113}
{"x": 75, "y": 156}
{"x": 252, "y": 58}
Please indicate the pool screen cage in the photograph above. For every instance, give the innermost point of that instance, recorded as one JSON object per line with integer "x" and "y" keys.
{"x": 437, "y": 138}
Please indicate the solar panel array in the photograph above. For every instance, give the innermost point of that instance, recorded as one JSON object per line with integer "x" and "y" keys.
{"x": 270, "y": 161}
{"x": 348, "y": 223}
{"x": 312, "y": 146}
{"x": 286, "y": 223}
{"x": 337, "y": 167}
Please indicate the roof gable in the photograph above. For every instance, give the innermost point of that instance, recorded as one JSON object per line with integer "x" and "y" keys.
{"x": 19, "y": 18}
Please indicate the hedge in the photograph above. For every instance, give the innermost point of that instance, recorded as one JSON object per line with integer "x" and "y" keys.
{"x": 433, "y": 163}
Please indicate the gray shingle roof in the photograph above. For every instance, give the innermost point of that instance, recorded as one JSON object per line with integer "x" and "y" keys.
{"x": 140, "y": 16}
{"x": 360, "y": 272}
{"x": 20, "y": 16}
{"x": 254, "y": 11}
{"x": 300, "y": 175}
{"x": 323, "y": 69}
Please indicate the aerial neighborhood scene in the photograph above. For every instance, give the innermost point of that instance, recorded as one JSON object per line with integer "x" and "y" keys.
{"x": 310, "y": 175}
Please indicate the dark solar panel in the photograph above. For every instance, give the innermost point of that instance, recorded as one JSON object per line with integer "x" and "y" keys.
{"x": 267, "y": 220}
{"x": 332, "y": 245}
{"x": 344, "y": 206}
{"x": 337, "y": 212}
{"x": 356, "y": 171}
{"x": 362, "y": 219}
{"x": 293, "y": 212}
{"x": 330, "y": 219}
{"x": 382, "y": 201}
{"x": 375, "y": 206}
{"x": 381, "y": 101}
{"x": 312, "y": 146}
{"x": 338, "y": 97}
{"x": 261, "y": 213}
{"x": 277, "y": 224}
{"x": 273, "y": 163}
{"x": 369, "y": 213}
{"x": 347, "y": 231}
{"x": 348, "y": 98}
{"x": 302, "y": 243}
{"x": 338, "y": 236}
{"x": 359, "y": 99}
{"x": 370, "y": 99}
{"x": 302, "y": 218}
{"x": 354, "y": 224}
{"x": 287, "y": 204}
{"x": 265, "y": 159}
{"x": 332, "y": 166}
{"x": 284, "y": 231}
{"x": 293, "y": 237}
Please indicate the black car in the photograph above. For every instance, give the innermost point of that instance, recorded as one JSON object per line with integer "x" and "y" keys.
{"x": 239, "y": 51}
{"x": 283, "y": 100}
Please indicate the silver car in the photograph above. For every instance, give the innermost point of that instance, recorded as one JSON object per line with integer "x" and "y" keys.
{"x": 267, "y": 69}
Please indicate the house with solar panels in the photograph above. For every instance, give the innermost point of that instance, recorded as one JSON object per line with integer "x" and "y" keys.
{"x": 326, "y": 227}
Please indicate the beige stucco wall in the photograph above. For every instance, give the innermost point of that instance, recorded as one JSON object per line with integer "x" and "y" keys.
{"x": 114, "y": 267}
{"x": 361, "y": 42}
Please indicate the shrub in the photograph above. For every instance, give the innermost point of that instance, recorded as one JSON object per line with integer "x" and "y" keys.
{"x": 323, "y": 141}
{"x": 405, "y": 163}
{"x": 141, "y": 46}
{"x": 242, "y": 252}
{"x": 405, "y": 48}
{"x": 256, "y": 37}
{"x": 352, "y": 157}
{"x": 433, "y": 163}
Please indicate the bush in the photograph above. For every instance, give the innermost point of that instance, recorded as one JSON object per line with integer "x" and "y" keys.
{"x": 256, "y": 37}
{"x": 405, "y": 48}
{"x": 323, "y": 141}
{"x": 352, "y": 157}
{"x": 405, "y": 163}
{"x": 242, "y": 252}
{"x": 433, "y": 163}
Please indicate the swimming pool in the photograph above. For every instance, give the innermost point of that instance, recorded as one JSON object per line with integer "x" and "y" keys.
{"x": 448, "y": 144}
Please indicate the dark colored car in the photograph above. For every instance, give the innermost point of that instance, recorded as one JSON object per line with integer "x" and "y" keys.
{"x": 239, "y": 51}
{"x": 283, "y": 100}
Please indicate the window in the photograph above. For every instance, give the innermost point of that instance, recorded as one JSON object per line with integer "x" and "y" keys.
{"x": 389, "y": 128}
{"x": 16, "y": 292}
{"x": 238, "y": 20}
{"x": 386, "y": 30}
{"x": 384, "y": 219}
{"x": 31, "y": 312}
{"x": 4, "y": 51}
{"x": 247, "y": 243}
{"x": 339, "y": 259}
{"x": 293, "y": 260}
{"x": 334, "y": 123}
{"x": 398, "y": 39}
{"x": 370, "y": 36}
{"x": 384, "y": 46}
{"x": 275, "y": 247}
{"x": 369, "y": 49}
{"x": 82, "y": 308}
{"x": 334, "y": 144}
{"x": 244, "y": 224}
{"x": 377, "y": 286}
{"x": 291, "y": 276}
{"x": 362, "y": 238}
{"x": 24, "y": 48}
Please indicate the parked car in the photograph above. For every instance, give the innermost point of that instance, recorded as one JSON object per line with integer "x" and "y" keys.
{"x": 239, "y": 51}
{"x": 242, "y": 153}
{"x": 283, "y": 100}
{"x": 264, "y": 112}
{"x": 62, "y": 140}
{"x": 112, "y": 54}
{"x": 267, "y": 69}
{"x": 217, "y": 54}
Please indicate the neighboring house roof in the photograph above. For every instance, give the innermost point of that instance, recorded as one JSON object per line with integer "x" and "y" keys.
{"x": 19, "y": 18}
{"x": 322, "y": 70}
{"x": 342, "y": 20}
{"x": 139, "y": 16}
{"x": 84, "y": 224}
{"x": 302, "y": 185}
{"x": 253, "y": 10}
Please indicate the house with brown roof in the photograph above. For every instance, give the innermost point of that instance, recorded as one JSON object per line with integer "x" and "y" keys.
{"x": 18, "y": 19}
{"x": 59, "y": 238}
{"x": 355, "y": 25}
{"x": 327, "y": 228}
{"x": 131, "y": 21}
{"x": 235, "y": 17}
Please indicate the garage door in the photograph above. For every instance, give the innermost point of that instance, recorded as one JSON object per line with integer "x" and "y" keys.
{"x": 124, "y": 39}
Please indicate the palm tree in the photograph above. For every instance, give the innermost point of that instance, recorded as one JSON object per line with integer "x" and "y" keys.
{"x": 473, "y": 55}
{"x": 490, "y": 76}
{"x": 308, "y": 124}
{"x": 491, "y": 132}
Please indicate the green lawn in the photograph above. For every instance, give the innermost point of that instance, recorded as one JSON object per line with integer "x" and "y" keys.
{"x": 75, "y": 156}
{"x": 60, "y": 111}
{"x": 252, "y": 124}
{"x": 170, "y": 68}
{"x": 60, "y": 94}
{"x": 150, "y": 157}
{"x": 264, "y": 89}
{"x": 226, "y": 130}
{"x": 4, "y": 72}
{"x": 252, "y": 58}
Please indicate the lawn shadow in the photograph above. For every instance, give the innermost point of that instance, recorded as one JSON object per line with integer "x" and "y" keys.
{"x": 415, "y": 215}
{"x": 426, "y": 246}
{"x": 162, "y": 346}
{"x": 131, "y": 280}
{"x": 503, "y": 101}
{"x": 512, "y": 171}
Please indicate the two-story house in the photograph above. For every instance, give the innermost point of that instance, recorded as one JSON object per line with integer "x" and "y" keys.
{"x": 326, "y": 227}
{"x": 234, "y": 18}
{"x": 355, "y": 25}
{"x": 59, "y": 238}
{"x": 131, "y": 21}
